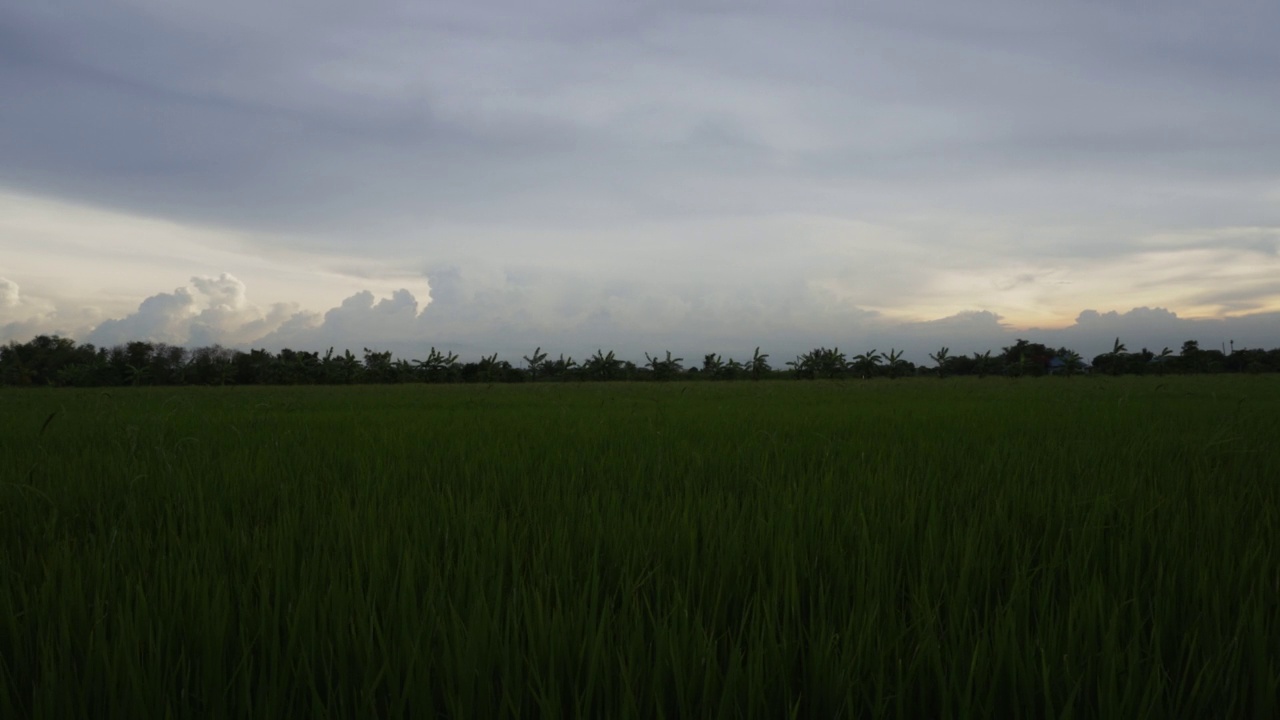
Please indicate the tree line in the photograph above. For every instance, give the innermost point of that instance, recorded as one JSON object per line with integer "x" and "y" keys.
{"x": 57, "y": 361}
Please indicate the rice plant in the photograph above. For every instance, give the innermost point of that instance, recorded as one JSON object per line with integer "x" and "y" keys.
{"x": 1103, "y": 547}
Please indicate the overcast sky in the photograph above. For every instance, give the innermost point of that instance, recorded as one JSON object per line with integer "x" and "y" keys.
{"x": 684, "y": 174}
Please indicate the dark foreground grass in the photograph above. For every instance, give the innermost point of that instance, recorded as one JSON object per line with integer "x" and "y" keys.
{"x": 1081, "y": 548}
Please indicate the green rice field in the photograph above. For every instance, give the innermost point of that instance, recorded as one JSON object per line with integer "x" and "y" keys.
{"x": 1088, "y": 547}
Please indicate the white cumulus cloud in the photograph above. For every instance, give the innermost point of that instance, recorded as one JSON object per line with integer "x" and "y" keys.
{"x": 212, "y": 310}
{"x": 9, "y": 296}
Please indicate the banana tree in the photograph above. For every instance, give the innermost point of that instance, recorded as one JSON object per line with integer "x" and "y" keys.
{"x": 1162, "y": 360}
{"x": 402, "y": 371}
{"x": 820, "y": 362}
{"x": 867, "y": 363}
{"x": 982, "y": 363}
{"x": 377, "y": 365}
{"x": 712, "y": 365}
{"x": 563, "y": 368}
{"x": 894, "y": 363}
{"x": 137, "y": 375}
{"x": 1114, "y": 357}
{"x": 488, "y": 369}
{"x": 1071, "y": 362}
{"x": 536, "y": 362}
{"x": 759, "y": 364}
{"x": 941, "y": 358}
{"x": 832, "y": 362}
{"x": 733, "y": 369}
{"x": 438, "y": 366}
{"x": 75, "y": 375}
{"x": 804, "y": 366}
{"x": 663, "y": 369}
{"x": 349, "y": 367}
{"x": 1020, "y": 366}
{"x": 602, "y": 366}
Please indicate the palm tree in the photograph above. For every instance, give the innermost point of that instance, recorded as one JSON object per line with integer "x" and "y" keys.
{"x": 941, "y": 358}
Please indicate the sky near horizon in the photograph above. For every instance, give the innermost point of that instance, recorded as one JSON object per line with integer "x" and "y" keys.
{"x": 700, "y": 176}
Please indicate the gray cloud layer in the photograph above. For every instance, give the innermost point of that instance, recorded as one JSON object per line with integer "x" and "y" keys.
{"x": 608, "y": 172}
{"x": 307, "y": 117}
